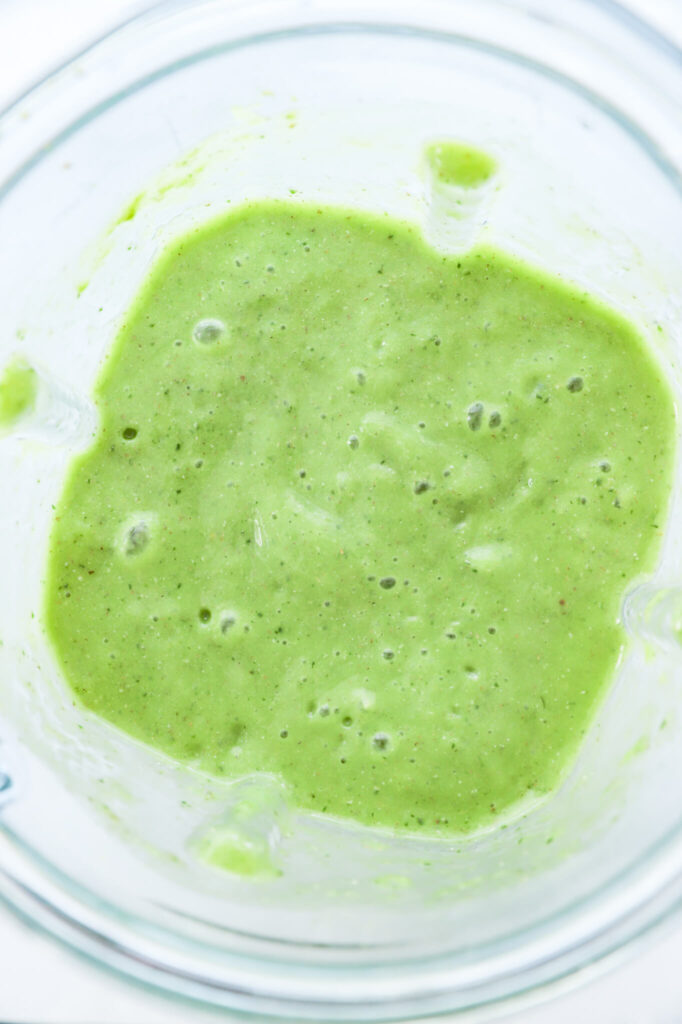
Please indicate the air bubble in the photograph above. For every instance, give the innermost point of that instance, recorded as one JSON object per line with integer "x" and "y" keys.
{"x": 381, "y": 740}
{"x": 360, "y": 377}
{"x": 129, "y": 434}
{"x": 208, "y": 332}
{"x": 204, "y": 615}
{"x": 227, "y": 621}
{"x": 605, "y": 466}
{"x": 353, "y": 441}
{"x": 475, "y": 416}
{"x": 347, "y": 721}
{"x": 387, "y": 582}
{"x": 323, "y": 710}
{"x": 575, "y": 384}
{"x": 421, "y": 486}
{"x": 388, "y": 654}
{"x": 136, "y": 538}
{"x": 495, "y": 420}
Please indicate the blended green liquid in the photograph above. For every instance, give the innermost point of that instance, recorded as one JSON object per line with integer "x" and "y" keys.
{"x": 360, "y": 515}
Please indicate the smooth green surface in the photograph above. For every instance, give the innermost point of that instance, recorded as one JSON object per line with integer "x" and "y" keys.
{"x": 372, "y": 533}
{"x": 453, "y": 163}
{"x": 18, "y": 390}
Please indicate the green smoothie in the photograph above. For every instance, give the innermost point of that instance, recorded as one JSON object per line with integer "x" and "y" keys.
{"x": 360, "y": 515}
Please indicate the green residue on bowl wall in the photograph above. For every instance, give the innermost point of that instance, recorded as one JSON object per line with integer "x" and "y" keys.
{"x": 18, "y": 390}
{"x": 455, "y": 163}
{"x": 231, "y": 850}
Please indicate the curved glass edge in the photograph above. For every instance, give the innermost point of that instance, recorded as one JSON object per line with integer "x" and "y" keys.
{"x": 517, "y": 992}
{"x": 419, "y": 986}
{"x": 641, "y": 28}
{"x": 669, "y": 168}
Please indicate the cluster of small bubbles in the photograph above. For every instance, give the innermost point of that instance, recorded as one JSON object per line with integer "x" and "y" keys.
{"x": 495, "y": 420}
{"x": 204, "y": 615}
{"x": 136, "y": 538}
{"x": 353, "y": 441}
{"x": 380, "y": 740}
{"x": 575, "y": 384}
{"x": 387, "y": 582}
{"x": 129, "y": 434}
{"x": 227, "y": 621}
{"x": 388, "y": 654}
{"x": 475, "y": 416}
{"x": 208, "y": 331}
{"x": 421, "y": 486}
{"x": 605, "y": 466}
{"x": 323, "y": 710}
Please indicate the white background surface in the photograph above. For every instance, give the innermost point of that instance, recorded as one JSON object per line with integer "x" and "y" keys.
{"x": 43, "y": 983}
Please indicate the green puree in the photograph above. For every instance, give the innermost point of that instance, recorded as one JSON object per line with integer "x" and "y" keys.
{"x": 360, "y": 515}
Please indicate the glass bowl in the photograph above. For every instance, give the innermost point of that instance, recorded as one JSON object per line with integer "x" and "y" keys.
{"x": 187, "y": 108}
